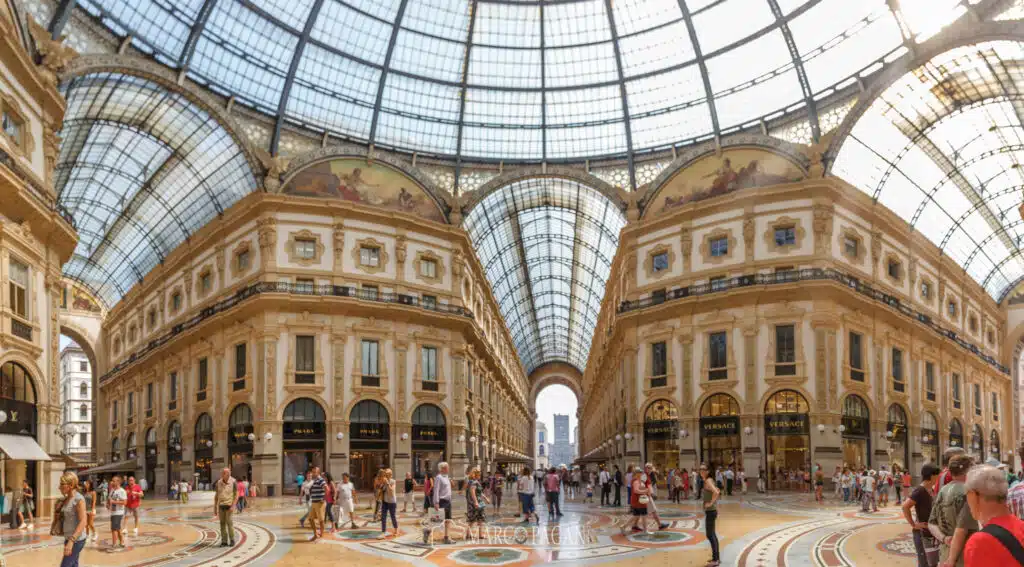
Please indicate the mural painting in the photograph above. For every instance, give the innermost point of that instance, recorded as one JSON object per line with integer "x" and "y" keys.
{"x": 353, "y": 179}
{"x": 81, "y": 300}
{"x": 718, "y": 174}
{"x": 1016, "y": 297}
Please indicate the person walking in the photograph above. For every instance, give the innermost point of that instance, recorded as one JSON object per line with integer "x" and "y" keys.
{"x": 75, "y": 519}
{"x": 551, "y": 490}
{"x": 135, "y": 495}
{"x": 428, "y": 493}
{"x": 819, "y": 486}
{"x": 225, "y": 496}
{"x": 346, "y": 501}
{"x": 242, "y": 499}
{"x": 869, "y": 484}
{"x": 378, "y": 495}
{"x": 604, "y": 479}
{"x": 475, "y": 514}
{"x": 497, "y": 481}
{"x": 950, "y": 520}
{"x": 330, "y": 494}
{"x": 524, "y": 488}
{"x": 442, "y": 497}
{"x": 317, "y": 502}
{"x": 26, "y": 507}
{"x": 617, "y": 483}
{"x": 920, "y": 502}
{"x": 389, "y": 503}
{"x": 639, "y": 498}
{"x": 307, "y": 481}
{"x": 905, "y": 483}
{"x": 1001, "y": 541}
{"x": 711, "y": 495}
{"x": 408, "y": 492}
{"x": 730, "y": 477}
{"x": 116, "y": 501}
{"x": 685, "y": 478}
{"x": 650, "y": 477}
{"x": 89, "y": 493}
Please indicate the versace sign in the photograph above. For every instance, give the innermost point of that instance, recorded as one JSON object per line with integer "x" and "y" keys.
{"x": 719, "y": 426}
{"x": 787, "y": 424}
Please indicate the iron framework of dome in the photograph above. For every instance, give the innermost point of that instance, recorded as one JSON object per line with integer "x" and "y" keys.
{"x": 529, "y": 80}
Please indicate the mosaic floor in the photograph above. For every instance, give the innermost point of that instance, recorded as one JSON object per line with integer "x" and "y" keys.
{"x": 786, "y": 530}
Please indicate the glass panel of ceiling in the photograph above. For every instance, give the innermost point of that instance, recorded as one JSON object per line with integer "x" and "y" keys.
{"x": 546, "y": 245}
{"x": 141, "y": 169}
{"x": 943, "y": 147}
{"x": 409, "y": 65}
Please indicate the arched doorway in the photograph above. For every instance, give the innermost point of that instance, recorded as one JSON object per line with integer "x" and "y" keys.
{"x": 240, "y": 442}
{"x": 977, "y": 444}
{"x": 856, "y": 430}
{"x": 369, "y": 442}
{"x": 720, "y": 431}
{"x": 304, "y": 439}
{"x": 151, "y": 458}
{"x": 18, "y": 401}
{"x": 173, "y": 452}
{"x": 661, "y": 427}
{"x": 956, "y": 433}
{"x": 204, "y": 450}
{"x": 896, "y": 434}
{"x": 787, "y": 430}
{"x": 994, "y": 447}
{"x": 929, "y": 438}
{"x": 429, "y": 440}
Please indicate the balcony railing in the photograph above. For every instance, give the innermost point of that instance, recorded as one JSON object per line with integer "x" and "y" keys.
{"x": 659, "y": 381}
{"x": 371, "y": 381}
{"x": 428, "y": 385}
{"x": 898, "y": 386}
{"x": 37, "y": 192}
{"x": 811, "y": 274}
{"x": 21, "y": 330}
{"x": 201, "y": 396}
{"x": 259, "y": 288}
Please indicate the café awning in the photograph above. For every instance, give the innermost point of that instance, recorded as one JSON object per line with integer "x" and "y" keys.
{"x": 129, "y": 465}
{"x": 21, "y": 448}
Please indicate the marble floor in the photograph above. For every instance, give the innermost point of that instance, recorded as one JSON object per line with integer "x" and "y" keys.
{"x": 784, "y": 530}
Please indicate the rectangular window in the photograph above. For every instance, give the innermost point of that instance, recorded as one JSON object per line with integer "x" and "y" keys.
{"x": 926, "y": 290}
{"x": 856, "y": 357}
{"x": 429, "y": 364}
{"x": 428, "y": 268}
{"x": 113, "y": 415}
{"x": 370, "y": 352}
{"x": 851, "y": 246}
{"x": 977, "y": 399}
{"x": 83, "y": 439}
{"x": 203, "y": 379}
{"x": 175, "y": 301}
{"x": 206, "y": 282}
{"x": 929, "y": 381}
{"x": 659, "y": 262}
{"x": 897, "y": 370}
{"x": 717, "y": 356}
{"x": 304, "y": 285}
{"x": 659, "y": 364}
{"x": 11, "y": 126}
{"x": 240, "y": 361}
{"x": 18, "y": 288}
{"x": 83, "y": 366}
{"x": 304, "y": 362}
{"x": 369, "y": 292}
{"x": 956, "y": 391}
{"x": 894, "y": 269}
{"x": 785, "y": 350}
{"x": 305, "y": 248}
{"x": 718, "y": 283}
{"x": 719, "y": 246}
{"x": 173, "y": 404}
{"x": 369, "y": 256}
{"x": 785, "y": 236}
{"x": 429, "y": 301}
{"x": 995, "y": 406}
{"x": 131, "y": 406}
{"x": 152, "y": 318}
{"x": 951, "y": 308}
{"x": 149, "y": 400}
{"x": 243, "y": 260}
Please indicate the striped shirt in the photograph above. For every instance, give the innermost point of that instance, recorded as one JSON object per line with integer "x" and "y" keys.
{"x": 1015, "y": 500}
{"x": 317, "y": 490}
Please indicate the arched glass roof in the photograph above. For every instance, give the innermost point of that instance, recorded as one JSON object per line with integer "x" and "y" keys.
{"x": 141, "y": 169}
{"x": 526, "y": 79}
{"x": 943, "y": 148}
{"x": 546, "y": 245}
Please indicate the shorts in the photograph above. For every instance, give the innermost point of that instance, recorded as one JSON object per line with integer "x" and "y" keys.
{"x": 446, "y": 505}
{"x": 639, "y": 511}
{"x": 115, "y": 523}
{"x": 134, "y": 512}
{"x": 819, "y": 483}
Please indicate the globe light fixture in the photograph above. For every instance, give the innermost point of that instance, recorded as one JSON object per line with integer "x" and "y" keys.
{"x": 472, "y": 439}
{"x": 842, "y": 428}
{"x": 748, "y": 430}
{"x": 462, "y": 438}
{"x": 629, "y": 436}
{"x": 209, "y": 443}
{"x": 340, "y": 436}
{"x": 268, "y": 436}
{"x": 3, "y": 416}
{"x": 821, "y": 428}
{"x": 251, "y": 437}
{"x": 618, "y": 437}
{"x": 405, "y": 436}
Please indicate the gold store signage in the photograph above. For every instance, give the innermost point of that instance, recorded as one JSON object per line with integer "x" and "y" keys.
{"x": 787, "y": 424}
{"x": 720, "y": 426}
{"x": 661, "y": 429}
{"x": 369, "y": 431}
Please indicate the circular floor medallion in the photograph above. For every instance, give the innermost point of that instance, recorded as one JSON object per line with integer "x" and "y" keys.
{"x": 902, "y": 545}
{"x": 488, "y": 556}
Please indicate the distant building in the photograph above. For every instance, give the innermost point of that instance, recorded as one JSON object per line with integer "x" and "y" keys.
{"x": 561, "y": 448}
{"x": 76, "y": 401}
{"x": 542, "y": 450}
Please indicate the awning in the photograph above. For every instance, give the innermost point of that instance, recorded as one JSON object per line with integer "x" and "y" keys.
{"x": 120, "y": 466}
{"x": 21, "y": 448}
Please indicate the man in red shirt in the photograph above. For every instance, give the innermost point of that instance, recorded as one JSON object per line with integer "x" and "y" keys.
{"x": 135, "y": 495}
{"x": 1000, "y": 541}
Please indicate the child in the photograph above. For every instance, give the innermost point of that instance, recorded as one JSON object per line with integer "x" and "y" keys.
{"x": 590, "y": 494}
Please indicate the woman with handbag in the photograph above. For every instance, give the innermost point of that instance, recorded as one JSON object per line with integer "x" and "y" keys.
{"x": 711, "y": 494}
{"x": 69, "y": 520}
{"x": 639, "y": 497}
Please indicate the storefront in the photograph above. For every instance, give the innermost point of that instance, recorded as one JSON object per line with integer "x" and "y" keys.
{"x": 151, "y": 458}
{"x": 977, "y": 445}
{"x": 18, "y": 430}
{"x": 429, "y": 440}
{"x": 995, "y": 448}
{"x": 204, "y": 451}
{"x": 929, "y": 438}
{"x": 720, "y": 431}
{"x": 240, "y": 442}
{"x": 173, "y": 453}
{"x": 787, "y": 429}
{"x": 305, "y": 441}
{"x": 856, "y": 430}
{"x": 956, "y": 433}
{"x": 661, "y": 428}
{"x": 369, "y": 442}
{"x": 897, "y": 436}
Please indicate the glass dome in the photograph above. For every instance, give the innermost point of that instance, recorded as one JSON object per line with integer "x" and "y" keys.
{"x": 526, "y": 80}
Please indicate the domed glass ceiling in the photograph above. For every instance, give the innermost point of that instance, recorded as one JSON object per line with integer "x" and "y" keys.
{"x": 525, "y": 80}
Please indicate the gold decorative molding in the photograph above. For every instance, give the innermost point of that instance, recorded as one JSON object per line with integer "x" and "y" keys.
{"x": 439, "y": 267}
{"x": 243, "y": 247}
{"x": 901, "y": 269}
{"x": 781, "y": 223}
{"x": 370, "y": 242}
{"x": 206, "y": 270}
{"x": 845, "y": 233}
{"x": 25, "y": 143}
{"x": 304, "y": 234}
{"x": 716, "y": 234}
{"x": 649, "y": 261}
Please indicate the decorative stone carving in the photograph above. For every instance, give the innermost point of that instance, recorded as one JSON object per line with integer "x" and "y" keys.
{"x": 822, "y": 230}
{"x": 51, "y": 150}
{"x": 686, "y": 245}
{"x": 339, "y": 243}
{"x": 748, "y": 238}
{"x": 267, "y": 234}
{"x": 273, "y": 167}
{"x": 55, "y": 55}
{"x": 815, "y": 154}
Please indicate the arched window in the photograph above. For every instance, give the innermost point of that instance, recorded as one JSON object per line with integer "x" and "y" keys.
{"x": 174, "y": 433}
{"x": 720, "y": 405}
{"x": 131, "y": 440}
{"x": 16, "y": 383}
{"x": 240, "y": 416}
{"x": 661, "y": 410}
{"x": 897, "y": 415}
{"x": 956, "y": 433}
{"x": 993, "y": 441}
{"x": 786, "y": 401}
{"x": 304, "y": 409}
{"x": 151, "y": 437}
{"x": 115, "y": 448}
{"x": 428, "y": 414}
{"x": 83, "y": 412}
{"x": 204, "y": 428}
{"x": 369, "y": 411}
{"x": 855, "y": 406}
{"x": 83, "y": 390}
{"x": 929, "y": 422}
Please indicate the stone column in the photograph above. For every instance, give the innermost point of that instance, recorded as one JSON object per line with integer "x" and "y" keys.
{"x": 266, "y": 463}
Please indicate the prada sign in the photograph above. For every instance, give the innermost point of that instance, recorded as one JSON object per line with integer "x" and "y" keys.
{"x": 304, "y": 430}
{"x": 661, "y": 429}
{"x": 370, "y": 431}
{"x": 719, "y": 426}
{"x": 787, "y": 424}
{"x": 429, "y": 433}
